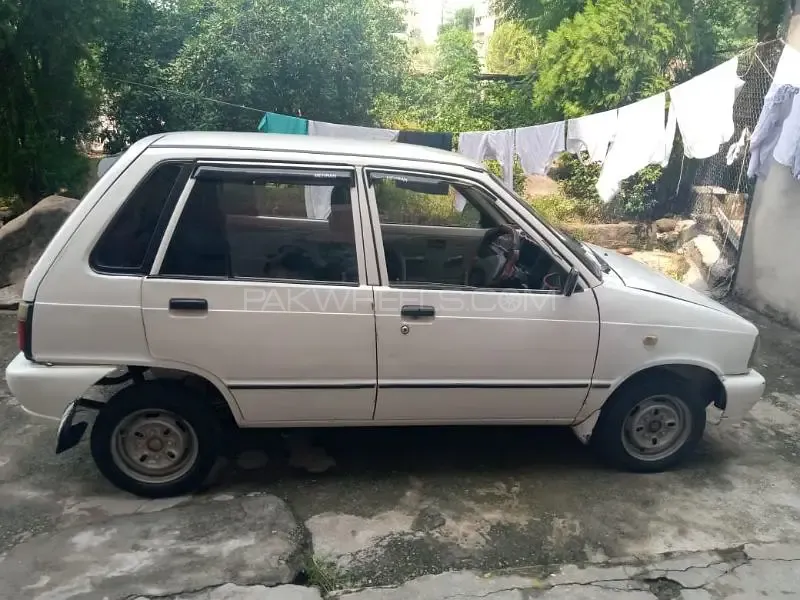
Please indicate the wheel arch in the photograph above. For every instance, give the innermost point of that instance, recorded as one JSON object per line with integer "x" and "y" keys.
{"x": 221, "y": 398}
{"x": 706, "y": 377}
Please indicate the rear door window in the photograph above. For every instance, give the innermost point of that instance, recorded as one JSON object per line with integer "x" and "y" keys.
{"x": 129, "y": 243}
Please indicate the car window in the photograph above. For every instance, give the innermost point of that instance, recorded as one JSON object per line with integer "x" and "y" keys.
{"x": 439, "y": 233}
{"x": 285, "y": 225}
{"x": 123, "y": 247}
{"x": 422, "y": 200}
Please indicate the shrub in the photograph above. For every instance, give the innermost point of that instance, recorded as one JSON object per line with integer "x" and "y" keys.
{"x": 636, "y": 199}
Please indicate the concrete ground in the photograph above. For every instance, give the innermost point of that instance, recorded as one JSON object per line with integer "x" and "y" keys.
{"x": 367, "y": 508}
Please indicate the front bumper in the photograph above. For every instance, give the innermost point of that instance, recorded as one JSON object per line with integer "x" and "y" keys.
{"x": 741, "y": 394}
{"x": 46, "y": 390}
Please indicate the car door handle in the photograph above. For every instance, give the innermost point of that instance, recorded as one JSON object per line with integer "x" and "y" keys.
{"x": 197, "y": 304}
{"x": 415, "y": 311}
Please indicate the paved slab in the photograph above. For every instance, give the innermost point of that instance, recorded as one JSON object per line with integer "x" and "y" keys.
{"x": 245, "y": 540}
{"x": 396, "y": 504}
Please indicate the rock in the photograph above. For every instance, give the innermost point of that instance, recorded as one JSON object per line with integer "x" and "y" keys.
{"x": 428, "y": 520}
{"x": 667, "y": 239}
{"x": 10, "y": 297}
{"x": 626, "y": 251}
{"x": 22, "y": 241}
{"x": 665, "y": 225}
{"x": 614, "y": 235}
{"x": 686, "y": 230}
{"x": 541, "y": 185}
{"x": 252, "y": 592}
{"x": 246, "y": 541}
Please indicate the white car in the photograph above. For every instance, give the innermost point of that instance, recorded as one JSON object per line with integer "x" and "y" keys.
{"x": 250, "y": 280}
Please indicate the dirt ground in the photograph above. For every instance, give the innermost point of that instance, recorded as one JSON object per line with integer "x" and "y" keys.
{"x": 393, "y": 504}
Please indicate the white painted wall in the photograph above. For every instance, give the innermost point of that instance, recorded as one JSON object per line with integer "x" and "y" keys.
{"x": 769, "y": 268}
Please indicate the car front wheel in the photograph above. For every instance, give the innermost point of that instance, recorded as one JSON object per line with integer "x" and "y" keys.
{"x": 650, "y": 426}
{"x": 155, "y": 439}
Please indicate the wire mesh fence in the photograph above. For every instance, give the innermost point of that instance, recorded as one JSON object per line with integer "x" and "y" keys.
{"x": 715, "y": 192}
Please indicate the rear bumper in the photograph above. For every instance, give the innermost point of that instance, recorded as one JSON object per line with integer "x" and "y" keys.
{"x": 46, "y": 391}
{"x": 741, "y": 394}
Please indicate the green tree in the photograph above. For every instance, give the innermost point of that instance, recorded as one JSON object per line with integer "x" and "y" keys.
{"x": 513, "y": 50}
{"x": 45, "y": 108}
{"x": 545, "y": 15}
{"x": 463, "y": 18}
{"x": 324, "y": 60}
{"x": 611, "y": 54}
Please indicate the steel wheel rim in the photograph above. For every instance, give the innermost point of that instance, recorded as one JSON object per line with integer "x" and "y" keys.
{"x": 656, "y": 428}
{"x": 154, "y": 446}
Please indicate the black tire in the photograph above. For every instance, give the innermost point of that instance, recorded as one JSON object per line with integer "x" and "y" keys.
{"x": 157, "y": 396}
{"x": 609, "y": 434}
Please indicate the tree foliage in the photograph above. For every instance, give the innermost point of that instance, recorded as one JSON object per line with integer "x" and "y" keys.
{"x": 612, "y": 53}
{"x": 46, "y": 105}
{"x": 326, "y": 61}
{"x": 513, "y": 49}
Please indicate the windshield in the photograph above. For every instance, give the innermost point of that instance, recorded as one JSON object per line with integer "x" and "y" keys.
{"x": 586, "y": 255}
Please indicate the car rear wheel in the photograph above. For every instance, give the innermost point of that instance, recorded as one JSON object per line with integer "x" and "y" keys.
{"x": 155, "y": 439}
{"x": 651, "y": 425}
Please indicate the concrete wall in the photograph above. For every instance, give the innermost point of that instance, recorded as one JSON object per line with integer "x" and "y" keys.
{"x": 769, "y": 269}
{"x": 768, "y": 278}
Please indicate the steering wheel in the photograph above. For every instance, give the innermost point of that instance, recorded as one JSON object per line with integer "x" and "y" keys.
{"x": 495, "y": 258}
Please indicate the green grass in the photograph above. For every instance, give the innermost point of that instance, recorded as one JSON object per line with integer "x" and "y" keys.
{"x": 326, "y": 575}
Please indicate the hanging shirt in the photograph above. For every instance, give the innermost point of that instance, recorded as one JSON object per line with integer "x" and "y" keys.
{"x": 536, "y": 146}
{"x": 787, "y": 148}
{"x": 318, "y": 198}
{"x": 641, "y": 140}
{"x": 592, "y": 133}
{"x": 443, "y": 141}
{"x": 777, "y": 106}
{"x": 704, "y": 109}
{"x": 277, "y": 123}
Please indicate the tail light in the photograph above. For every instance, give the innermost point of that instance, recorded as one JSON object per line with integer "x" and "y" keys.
{"x": 24, "y": 322}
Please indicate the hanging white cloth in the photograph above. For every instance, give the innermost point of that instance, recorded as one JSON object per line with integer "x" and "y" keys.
{"x": 537, "y": 146}
{"x": 704, "y": 109}
{"x": 592, "y": 133}
{"x": 788, "y": 70}
{"x": 787, "y": 149}
{"x": 641, "y": 140}
{"x": 777, "y": 106}
{"x": 487, "y": 145}
{"x": 318, "y": 198}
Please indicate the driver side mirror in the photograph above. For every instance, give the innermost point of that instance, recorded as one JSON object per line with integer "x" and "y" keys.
{"x": 571, "y": 282}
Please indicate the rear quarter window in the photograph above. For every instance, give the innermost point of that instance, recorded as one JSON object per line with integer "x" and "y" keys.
{"x": 128, "y": 244}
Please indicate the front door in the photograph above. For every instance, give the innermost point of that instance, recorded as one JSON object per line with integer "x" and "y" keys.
{"x": 272, "y": 302}
{"x": 454, "y": 347}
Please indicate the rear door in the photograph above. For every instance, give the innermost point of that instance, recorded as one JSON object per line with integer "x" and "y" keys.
{"x": 275, "y": 304}
{"x": 448, "y": 352}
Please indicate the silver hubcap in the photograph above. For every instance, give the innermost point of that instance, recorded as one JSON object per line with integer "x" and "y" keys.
{"x": 656, "y": 428}
{"x": 154, "y": 446}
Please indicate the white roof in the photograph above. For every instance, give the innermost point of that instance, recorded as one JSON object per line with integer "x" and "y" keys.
{"x": 305, "y": 143}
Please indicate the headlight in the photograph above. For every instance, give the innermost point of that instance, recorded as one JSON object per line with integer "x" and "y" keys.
{"x": 754, "y": 354}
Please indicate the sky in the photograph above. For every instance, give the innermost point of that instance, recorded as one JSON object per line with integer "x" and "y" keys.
{"x": 430, "y": 14}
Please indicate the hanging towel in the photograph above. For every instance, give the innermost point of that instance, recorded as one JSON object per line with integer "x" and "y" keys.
{"x": 704, "y": 109}
{"x": 787, "y": 149}
{"x": 444, "y": 141}
{"x": 351, "y": 131}
{"x": 777, "y": 106}
{"x": 488, "y": 145}
{"x": 641, "y": 140}
{"x": 536, "y": 146}
{"x": 592, "y": 133}
{"x": 318, "y": 198}
{"x": 277, "y": 123}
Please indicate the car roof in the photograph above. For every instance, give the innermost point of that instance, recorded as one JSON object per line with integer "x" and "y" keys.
{"x": 316, "y": 144}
